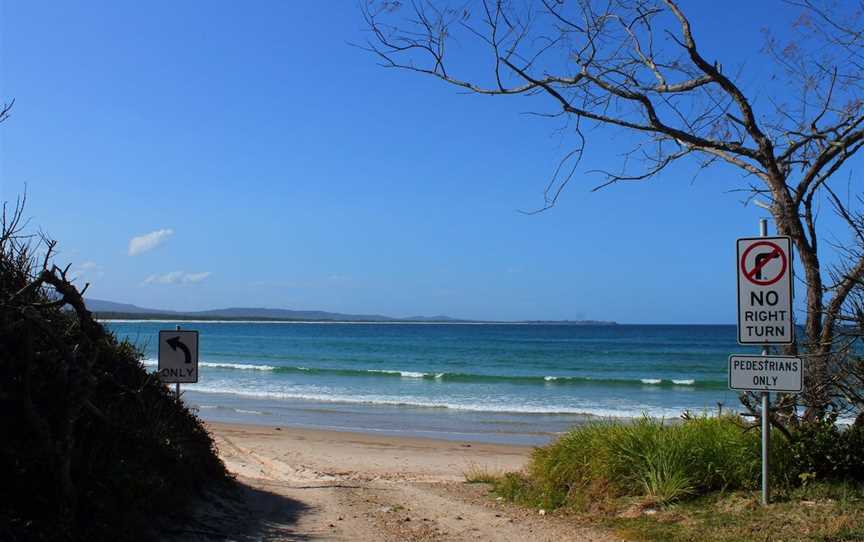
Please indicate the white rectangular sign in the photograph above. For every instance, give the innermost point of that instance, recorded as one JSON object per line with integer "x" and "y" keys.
{"x": 764, "y": 267}
{"x": 765, "y": 373}
{"x": 178, "y": 356}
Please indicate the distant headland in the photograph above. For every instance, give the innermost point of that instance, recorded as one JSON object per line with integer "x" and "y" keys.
{"x": 110, "y": 310}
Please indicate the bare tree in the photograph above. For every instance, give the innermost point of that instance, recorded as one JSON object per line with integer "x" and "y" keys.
{"x": 5, "y": 109}
{"x": 635, "y": 65}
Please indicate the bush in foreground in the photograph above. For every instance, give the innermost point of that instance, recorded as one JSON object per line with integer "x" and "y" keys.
{"x": 822, "y": 450}
{"x": 92, "y": 447}
{"x": 664, "y": 462}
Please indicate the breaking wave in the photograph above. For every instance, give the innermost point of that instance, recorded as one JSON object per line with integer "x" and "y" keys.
{"x": 417, "y": 402}
{"x": 549, "y": 380}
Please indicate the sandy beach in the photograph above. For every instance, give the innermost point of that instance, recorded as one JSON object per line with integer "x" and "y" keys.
{"x": 304, "y": 484}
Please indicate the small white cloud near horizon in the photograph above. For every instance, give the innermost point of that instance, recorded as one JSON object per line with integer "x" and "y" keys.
{"x": 177, "y": 277}
{"x": 148, "y": 241}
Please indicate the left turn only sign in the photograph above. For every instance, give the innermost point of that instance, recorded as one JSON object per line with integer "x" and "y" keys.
{"x": 765, "y": 291}
{"x": 178, "y": 356}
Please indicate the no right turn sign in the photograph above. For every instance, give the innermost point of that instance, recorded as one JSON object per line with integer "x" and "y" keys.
{"x": 765, "y": 291}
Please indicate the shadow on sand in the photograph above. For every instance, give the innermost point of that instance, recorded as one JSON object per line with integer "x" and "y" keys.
{"x": 240, "y": 513}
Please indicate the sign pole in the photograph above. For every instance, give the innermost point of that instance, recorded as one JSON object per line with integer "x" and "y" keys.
{"x": 766, "y": 425}
{"x": 764, "y": 269}
{"x": 177, "y": 389}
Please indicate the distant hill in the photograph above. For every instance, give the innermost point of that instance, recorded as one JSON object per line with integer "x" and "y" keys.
{"x": 286, "y": 314}
{"x": 100, "y": 305}
{"x": 124, "y": 311}
{"x": 110, "y": 309}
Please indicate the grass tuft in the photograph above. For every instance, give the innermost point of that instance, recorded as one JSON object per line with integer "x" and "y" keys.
{"x": 480, "y": 474}
{"x": 660, "y": 461}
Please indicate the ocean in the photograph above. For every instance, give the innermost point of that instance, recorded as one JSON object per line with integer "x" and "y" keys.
{"x": 516, "y": 383}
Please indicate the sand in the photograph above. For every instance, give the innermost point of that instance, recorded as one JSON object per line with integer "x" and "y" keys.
{"x": 302, "y": 484}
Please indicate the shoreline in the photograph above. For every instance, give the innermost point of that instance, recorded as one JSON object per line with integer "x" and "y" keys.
{"x": 396, "y": 421}
{"x": 354, "y": 444}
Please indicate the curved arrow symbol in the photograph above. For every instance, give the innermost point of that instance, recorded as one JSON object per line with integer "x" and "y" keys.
{"x": 176, "y": 343}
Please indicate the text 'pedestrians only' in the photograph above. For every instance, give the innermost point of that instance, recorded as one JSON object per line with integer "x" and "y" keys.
{"x": 765, "y": 373}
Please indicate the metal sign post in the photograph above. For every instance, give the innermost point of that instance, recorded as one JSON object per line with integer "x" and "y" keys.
{"x": 766, "y": 402}
{"x": 177, "y": 385}
{"x": 764, "y": 269}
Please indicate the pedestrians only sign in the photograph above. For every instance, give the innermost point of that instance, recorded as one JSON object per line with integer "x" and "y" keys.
{"x": 765, "y": 291}
{"x": 178, "y": 356}
{"x": 765, "y": 373}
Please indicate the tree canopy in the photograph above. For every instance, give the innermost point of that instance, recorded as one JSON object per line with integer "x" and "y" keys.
{"x": 637, "y": 65}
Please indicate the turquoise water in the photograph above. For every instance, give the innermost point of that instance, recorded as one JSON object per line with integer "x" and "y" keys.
{"x": 451, "y": 376}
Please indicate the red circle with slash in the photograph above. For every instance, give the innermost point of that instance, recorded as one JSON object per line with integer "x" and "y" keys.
{"x": 776, "y": 252}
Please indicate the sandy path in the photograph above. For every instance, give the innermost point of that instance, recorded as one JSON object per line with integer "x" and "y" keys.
{"x": 324, "y": 485}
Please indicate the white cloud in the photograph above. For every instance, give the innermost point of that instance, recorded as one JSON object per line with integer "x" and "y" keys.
{"x": 196, "y": 277}
{"x": 177, "y": 277}
{"x": 148, "y": 241}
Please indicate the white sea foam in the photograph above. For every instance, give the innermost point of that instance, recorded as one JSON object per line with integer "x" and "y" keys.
{"x": 423, "y": 403}
{"x": 219, "y": 365}
{"x": 651, "y": 380}
{"x": 242, "y": 366}
{"x": 406, "y": 374}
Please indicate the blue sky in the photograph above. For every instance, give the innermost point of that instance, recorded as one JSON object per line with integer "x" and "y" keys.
{"x": 281, "y": 167}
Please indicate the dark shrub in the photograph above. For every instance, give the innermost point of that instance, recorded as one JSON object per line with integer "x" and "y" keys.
{"x": 825, "y": 451}
{"x": 92, "y": 447}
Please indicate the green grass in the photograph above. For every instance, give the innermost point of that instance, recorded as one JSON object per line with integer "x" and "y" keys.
{"x": 664, "y": 462}
{"x": 738, "y": 516}
{"x": 480, "y": 474}
{"x": 698, "y": 480}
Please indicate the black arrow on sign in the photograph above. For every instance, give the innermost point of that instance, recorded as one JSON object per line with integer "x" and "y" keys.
{"x": 176, "y": 343}
{"x": 762, "y": 259}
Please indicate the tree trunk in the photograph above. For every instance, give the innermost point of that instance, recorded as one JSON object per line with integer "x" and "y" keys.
{"x": 789, "y": 223}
